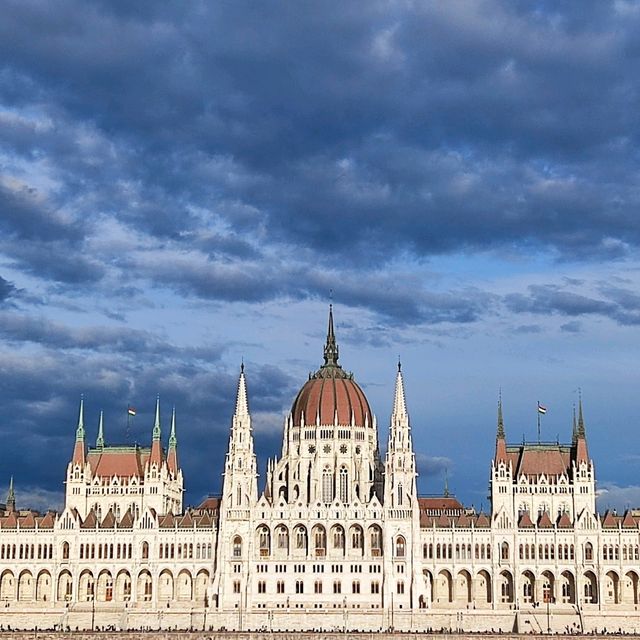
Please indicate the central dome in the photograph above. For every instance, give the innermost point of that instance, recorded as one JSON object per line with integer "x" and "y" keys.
{"x": 331, "y": 396}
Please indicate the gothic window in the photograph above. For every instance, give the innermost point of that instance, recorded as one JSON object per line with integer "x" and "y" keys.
{"x": 337, "y": 586}
{"x": 588, "y": 551}
{"x": 400, "y": 493}
{"x": 344, "y": 485}
{"x": 283, "y": 538}
{"x": 65, "y": 550}
{"x": 237, "y": 547}
{"x": 376, "y": 541}
{"x": 317, "y": 586}
{"x": 239, "y": 495}
{"x": 327, "y": 486}
{"x": 301, "y": 538}
{"x": 320, "y": 540}
{"x": 356, "y": 538}
{"x": 400, "y": 547}
{"x": 145, "y": 550}
{"x": 264, "y": 541}
{"x": 338, "y": 538}
{"x": 504, "y": 551}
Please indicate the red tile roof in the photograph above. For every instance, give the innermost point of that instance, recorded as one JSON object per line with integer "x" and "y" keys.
{"x": 124, "y": 462}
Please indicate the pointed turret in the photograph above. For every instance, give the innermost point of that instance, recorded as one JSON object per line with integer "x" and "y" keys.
{"x": 574, "y": 431}
{"x": 79, "y": 448}
{"x": 156, "y": 446}
{"x": 330, "y": 348}
{"x": 11, "y": 498}
{"x": 501, "y": 443}
{"x": 100, "y": 438}
{"x": 240, "y": 475}
{"x": 582, "y": 454}
{"x": 400, "y": 470}
{"x": 172, "y": 453}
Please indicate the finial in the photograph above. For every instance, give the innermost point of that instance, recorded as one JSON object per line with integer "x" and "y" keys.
{"x": 399, "y": 364}
{"x": 446, "y": 482}
{"x": 242, "y": 364}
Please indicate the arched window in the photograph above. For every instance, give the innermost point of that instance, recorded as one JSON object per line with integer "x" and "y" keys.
{"x": 504, "y": 551}
{"x": 588, "y": 551}
{"x": 344, "y": 485}
{"x": 65, "y": 550}
{"x": 145, "y": 550}
{"x": 283, "y": 538}
{"x": 338, "y": 537}
{"x": 356, "y": 538}
{"x": 400, "y": 547}
{"x": 327, "y": 486}
{"x": 399, "y": 493}
{"x": 301, "y": 538}
{"x": 264, "y": 542}
{"x": 237, "y": 547}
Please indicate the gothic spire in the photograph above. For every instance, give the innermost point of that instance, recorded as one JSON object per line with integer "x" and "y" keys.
{"x": 172, "y": 453}
{"x": 156, "y": 446}
{"x": 446, "y": 483}
{"x": 156, "y": 424}
{"x": 242, "y": 405}
{"x": 500, "y": 432}
{"x": 501, "y": 444}
{"x": 399, "y": 402}
{"x": 100, "y": 438}
{"x": 78, "y": 449}
{"x": 11, "y": 497}
{"x": 80, "y": 427}
{"x": 581, "y": 431}
{"x": 574, "y": 431}
{"x": 331, "y": 348}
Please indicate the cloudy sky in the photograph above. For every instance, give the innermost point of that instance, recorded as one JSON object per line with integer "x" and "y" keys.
{"x": 183, "y": 184}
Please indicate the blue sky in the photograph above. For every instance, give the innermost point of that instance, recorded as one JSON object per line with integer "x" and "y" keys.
{"x": 183, "y": 184}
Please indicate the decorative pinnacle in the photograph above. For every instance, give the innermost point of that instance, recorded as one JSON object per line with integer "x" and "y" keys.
{"x": 80, "y": 428}
{"x": 574, "y": 431}
{"x": 242, "y": 406}
{"x": 331, "y": 348}
{"x": 156, "y": 424}
{"x": 11, "y": 497}
{"x": 173, "y": 441}
{"x": 399, "y": 402}
{"x": 581, "y": 431}
{"x": 446, "y": 483}
{"x": 500, "y": 433}
{"x": 100, "y": 439}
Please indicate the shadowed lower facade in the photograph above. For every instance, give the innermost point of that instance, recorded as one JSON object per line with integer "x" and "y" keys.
{"x": 335, "y": 538}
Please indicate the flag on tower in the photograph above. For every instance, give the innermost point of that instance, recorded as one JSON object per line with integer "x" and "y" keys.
{"x": 542, "y": 409}
{"x": 131, "y": 411}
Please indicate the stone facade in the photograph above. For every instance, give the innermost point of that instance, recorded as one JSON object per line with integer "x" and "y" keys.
{"x": 337, "y": 538}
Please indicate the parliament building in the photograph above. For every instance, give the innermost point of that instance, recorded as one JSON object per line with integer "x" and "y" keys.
{"x": 335, "y": 537}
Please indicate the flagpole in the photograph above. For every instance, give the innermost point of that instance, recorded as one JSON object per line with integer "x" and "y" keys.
{"x": 538, "y": 412}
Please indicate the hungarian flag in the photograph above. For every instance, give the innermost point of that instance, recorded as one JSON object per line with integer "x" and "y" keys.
{"x": 541, "y": 409}
{"x": 131, "y": 411}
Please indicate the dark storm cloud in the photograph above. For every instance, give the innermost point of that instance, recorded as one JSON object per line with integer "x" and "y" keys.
{"x": 41, "y": 391}
{"x": 7, "y": 290}
{"x": 620, "y": 305}
{"x": 353, "y": 131}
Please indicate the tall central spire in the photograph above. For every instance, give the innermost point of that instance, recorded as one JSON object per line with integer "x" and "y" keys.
{"x": 331, "y": 348}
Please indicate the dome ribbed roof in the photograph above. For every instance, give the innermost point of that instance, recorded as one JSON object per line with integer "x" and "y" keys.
{"x": 331, "y": 394}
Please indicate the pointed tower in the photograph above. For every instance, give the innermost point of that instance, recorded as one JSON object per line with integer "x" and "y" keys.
{"x": 331, "y": 347}
{"x": 79, "y": 450}
{"x": 100, "y": 438}
{"x": 501, "y": 442}
{"x": 172, "y": 452}
{"x": 501, "y": 470}
{"x": 11, "y": 498}
{"x": 584, "y": 490}
{"x": 400, "y": 468}
{"x": 156, "y": 445}
{"x": 239, "y": 499}
{"x": 401, "y": 508}
{"x": 582, "y": 454}
{"x": 240, "y": 486}
{"x": 574, "y": 431}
